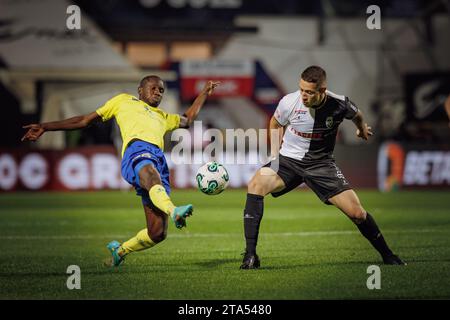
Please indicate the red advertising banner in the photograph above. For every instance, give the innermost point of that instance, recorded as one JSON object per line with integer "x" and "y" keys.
{"x": 87, "y": 168}
{"x": 229, "y": 87}
{"x": 390, "y": 166}
{"x": 91, "y": 168}
{"x": 236, "y": 77}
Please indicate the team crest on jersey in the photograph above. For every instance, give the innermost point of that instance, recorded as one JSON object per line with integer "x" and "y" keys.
{"x": 329, "y": 122}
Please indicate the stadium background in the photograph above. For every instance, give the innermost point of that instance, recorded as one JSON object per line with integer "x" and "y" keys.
{"x": 398, "y": 75}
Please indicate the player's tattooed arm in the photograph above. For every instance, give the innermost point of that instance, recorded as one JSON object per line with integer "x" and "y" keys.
{"x": 36, "y": 130}
{"x": 363, "y": 130}
{"x": 191, "y": 114}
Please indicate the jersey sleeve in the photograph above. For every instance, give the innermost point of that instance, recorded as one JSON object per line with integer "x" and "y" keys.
{"x": 282, "y": 112}
{"x": 172, "y": 121}
{"x": 110, "y": 108}
{"x": 350, "y": 109}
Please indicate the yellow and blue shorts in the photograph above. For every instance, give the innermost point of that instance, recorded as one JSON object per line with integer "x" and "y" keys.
{"x": 139, "y": 154}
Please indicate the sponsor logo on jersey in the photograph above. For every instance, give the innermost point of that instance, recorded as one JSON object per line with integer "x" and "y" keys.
{"x": 312, "y": 136}
{"x": 298, "y": 113}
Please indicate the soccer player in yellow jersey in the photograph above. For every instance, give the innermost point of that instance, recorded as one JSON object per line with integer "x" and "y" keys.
{"x": 142, "y": 125}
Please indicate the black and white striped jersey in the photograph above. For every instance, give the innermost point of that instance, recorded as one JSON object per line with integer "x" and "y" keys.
{"x": 310, "y": 133}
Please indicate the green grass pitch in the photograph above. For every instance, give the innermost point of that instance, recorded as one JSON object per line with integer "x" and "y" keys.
{"x": 307, "y": 250}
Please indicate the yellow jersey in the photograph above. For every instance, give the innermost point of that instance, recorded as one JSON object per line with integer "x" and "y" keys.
{"x": 137, "y": 120}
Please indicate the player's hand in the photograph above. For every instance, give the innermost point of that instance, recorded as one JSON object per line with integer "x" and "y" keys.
{"x": 35, "y": 130}
{"x": 365, "y": 133}
{"x": 210, "y": 86}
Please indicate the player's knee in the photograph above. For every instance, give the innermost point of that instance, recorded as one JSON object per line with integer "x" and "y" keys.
{"x": 148, "y": 177}
{"x": 357, "y": 213}
{"x": 255, "y": 187}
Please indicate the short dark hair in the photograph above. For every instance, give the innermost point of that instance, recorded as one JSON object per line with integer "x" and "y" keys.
{"x": 314, "y": 74}
{"x": 148, "y": 78}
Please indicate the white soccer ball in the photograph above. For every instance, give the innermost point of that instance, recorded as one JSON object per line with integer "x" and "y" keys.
{"x": 212, "y": 178}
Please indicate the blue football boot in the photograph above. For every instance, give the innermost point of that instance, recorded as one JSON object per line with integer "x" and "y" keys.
{"x": 180, "y": 214}
{"x": 113, "y": 248}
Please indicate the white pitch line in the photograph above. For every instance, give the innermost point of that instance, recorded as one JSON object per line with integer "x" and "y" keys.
{"x": 208, "y": 235}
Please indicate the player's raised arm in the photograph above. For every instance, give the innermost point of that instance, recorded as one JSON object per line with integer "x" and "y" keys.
{"x": 191, "y": 114}
{"x": 363, "y": 130}
{"x": 79, "y": 122}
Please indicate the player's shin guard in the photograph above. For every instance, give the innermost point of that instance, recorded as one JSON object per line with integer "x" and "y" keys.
{"x": 140, "y": 242}
{"x": 254, "y": 208}
{"x": 370, "y": 230}
{"x": 161, "y": 199}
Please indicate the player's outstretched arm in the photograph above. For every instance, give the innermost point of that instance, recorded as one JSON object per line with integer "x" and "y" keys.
{"x": 363, "y": 130}
{"x": 191, "y": 114}
{"x": 36, "y": 130}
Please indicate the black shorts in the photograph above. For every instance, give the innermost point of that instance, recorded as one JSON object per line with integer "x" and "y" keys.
{"x": 323, "y": 177}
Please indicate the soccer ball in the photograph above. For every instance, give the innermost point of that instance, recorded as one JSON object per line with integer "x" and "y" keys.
{"x": 212, "y": 178}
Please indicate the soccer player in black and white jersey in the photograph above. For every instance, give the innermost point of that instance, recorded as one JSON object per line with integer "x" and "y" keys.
{"x": 308, "y": 121}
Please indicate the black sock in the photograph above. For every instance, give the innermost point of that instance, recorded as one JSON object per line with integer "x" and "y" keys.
{"x": 254, "y": 208}
{"x": 370, "y": 230}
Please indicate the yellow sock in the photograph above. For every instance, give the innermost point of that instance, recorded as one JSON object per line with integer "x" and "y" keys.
{"x": 160, "y": 199}
{"x": 140, "y": 242}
